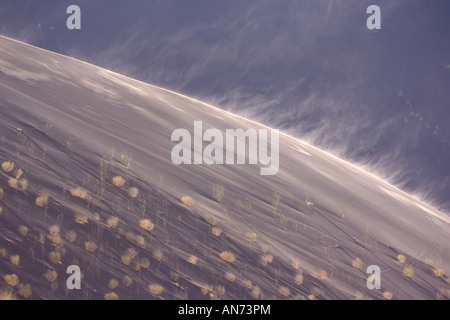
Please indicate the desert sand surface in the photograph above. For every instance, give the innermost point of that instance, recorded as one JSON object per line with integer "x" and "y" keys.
{"x": 308, "y": 232}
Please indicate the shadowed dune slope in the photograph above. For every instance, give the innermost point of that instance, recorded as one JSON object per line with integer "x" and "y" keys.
{"x": 72, "y": 127}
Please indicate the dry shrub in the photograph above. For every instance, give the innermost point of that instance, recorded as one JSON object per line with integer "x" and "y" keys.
{"x": 90, "y": 246}
{"x": 23, "y": 184}
{"x": 211, "y": 220}
{"x": 206, "y": 288}
{"x": 133, "y": 192}
{"x": 230, "y": 277}
{"x": 113, "y": 283}
{"x": 311, "y": 297}
{"x": 216, "y": 231}
{"x": 54, "y": 257}
{"x": 408, "y": 272}
{"x": 251, "y": 236}
{"x": 144, "y": 263}
{"x": 146, "y": 224}
{"x": 157, "y": 255}
{"x": 24, "y": 291}
{"x": 18, "y": 173}
{"x": 284, "y": 291}
{"x": 118, "y": 181}
{"x": 438, "y": 272}
{"x": 7, "y": 295}
{"x": 13, "y": 183}
{"x": 111, "y": 296}
{"x": 127, "y": 281}
{"x": 128, "y": 256}
{"x": 227, "y": 256}
{"x": 192, "y": 260}
{"x": 2, "y": 193}
{"x": 247, "y": 284}
{"x": 50, "y": 276}
{"x": 295, "y": 265}
{"x": 71, "y": 236}
{"x": 42, "y": 200}
{"x": 79, "y": 193}
{"x": 155, "y": 289}
{"x": 430, "y": 263}
{"x": 357, "y": 263}
{"x": 387, "y": 295}
{"x": 265, "y": 260}
{"x": 401, "y": 258}
{"x": 11, "y": 280}
{"x": 7, "y": 166}
{"x": 298, "y": 279}
{"x": 112, "y": 222}
{"x": 1, "y": 210}
{"x": 81, "y": 218}
{"x": 53, "y": 230}
{"x": 139, "y": 240}
{"x": 15, "y": 260}
{"x": 322, "y": 275}
{"x": 22, "y": 230}
{"x": 256, "y": 291}
{"x": 218, "y": 192}
{"x": 187, "y": 201}
{"x": 3, "y": 252}
{"x": 55, "y": 240}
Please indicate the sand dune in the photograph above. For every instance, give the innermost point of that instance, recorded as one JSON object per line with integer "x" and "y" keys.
{"x": 72, "y": 127}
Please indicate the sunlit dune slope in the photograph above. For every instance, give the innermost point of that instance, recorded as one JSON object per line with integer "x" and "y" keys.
{"x": 98, "y": 189}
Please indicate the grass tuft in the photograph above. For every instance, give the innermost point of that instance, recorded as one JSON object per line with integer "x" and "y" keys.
{"x": 227, "y": 256}
{"x": 401, "y": 258}
{"x": 251, "y": 236}
{"x": 15, "y": 260}
{"x": 111, "y": 296}
{"x": 357, "y": 263}
{"x": 146, "y": 224}
{"x": 11, "y": 280}
{"x": 230, "y": 277}
{"x": 298, "y": 280}
{"x": 387, "y": 295}
{"x": 42, "y": 200}
{"x": 155, "y": 289}
{"x": 133, "y": 192}
{"x": 118, "y": 181}
{"x": 192, "y": 260}
{"x": 90, "y": 246}
{"x": 24, "y": 291}
{"x": 7, "y": 166}
{"x": 438, "y": 272}
{"x": 408, "y": 272}
{"x": 13, "y": 183}
{"x": 211, "y": 220}
{"x": 112, "y": 222}
{"x": 216, "y": 231}
{"x": 113, "y": 283}
{"x": 187, "y": 201}
{"x": 79, "y": 193}
{"x": 284, "y": 291}
{"x": 54, "y": 257}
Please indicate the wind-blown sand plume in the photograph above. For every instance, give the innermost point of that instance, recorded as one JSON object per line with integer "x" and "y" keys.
{"x": 159, "y": 230}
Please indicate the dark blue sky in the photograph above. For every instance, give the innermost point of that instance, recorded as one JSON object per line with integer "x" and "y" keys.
{"x": 312, "y": 68}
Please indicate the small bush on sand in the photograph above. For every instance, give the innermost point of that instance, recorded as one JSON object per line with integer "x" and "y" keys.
{"x": 284, "y": 291}
{"x": 295, "y": 265}
{"x": 230, "y": 277}
{"x": 90, "y": 246}
{"x": 265, "y": 259}
{"x": 216, "y": 231}
{"x": 79, "y": 193}
{"x": 13, "y": 183}
{"x": 2, "y": 193}
{"x": 251, "y": 236}
{"x": 256, "y": 291}
{"x": 192, "y": 260}
{"x": 218, "y": 191}
{"x": 42, "y": 200}
{"x": 3, "y": 252}
{"x": 81, "y": 219}
{"x": 210, "y": 220}
{"x": 401, "y": 258}
{"x": 7, "y": 295}
{"x": 438, "y": 272}
{"x": 112, "y": 222}
{"x": 24, "y": 291}
{"x": 247, "y": 284}
{"x": 111, "y": 296}
{"x": 113, "y": 283}
{"x": 50, "y": 276}
{"x": 155, "y": 289}
{"x": 298, "y": 280}
{"x": 187, "y": 201}
{"x": 1, "y": 211}
{"x": 158, "y": 255}
{"x": 146, "y": 224}
{"x": 23, "y": 184}
{"x": 71, "y": 236}
{"x": 357, "y": 263}
{"x": 127, "y": 281}
{"x": 227, "y": 256}
{"x": 7, "y": 166}
{"x": 15, "y": 260}
{"x": 11, "y": 280}
{"x": 22, "y": 230}
{"x": 54, "y": 257}
{"x": 133, "y": 192}
{"x": 387, "y": 295}
{"x": 118, "y": 181}
{"x": 408, "y": 272}
{"x": 18, "y": 173}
